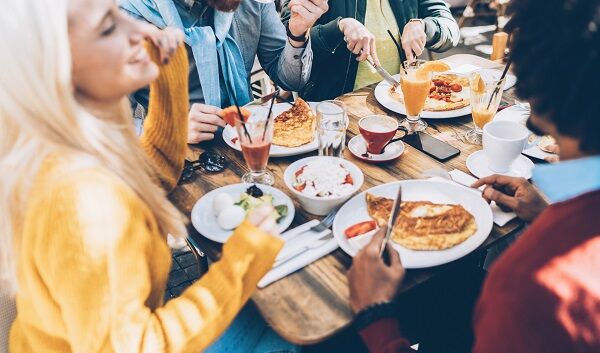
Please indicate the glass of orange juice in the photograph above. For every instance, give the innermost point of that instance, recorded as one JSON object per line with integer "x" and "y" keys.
{"x": 486, "y": 95}
{"x": 415, "y": 85}
{"x": 256, "y": 136}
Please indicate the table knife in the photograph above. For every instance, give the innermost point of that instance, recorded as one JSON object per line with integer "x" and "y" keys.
{"x": 384, "y": 74}
{"x": 392, "y": 220}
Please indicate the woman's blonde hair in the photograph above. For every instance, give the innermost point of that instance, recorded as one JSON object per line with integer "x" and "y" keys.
{"x": 39, "y": 116}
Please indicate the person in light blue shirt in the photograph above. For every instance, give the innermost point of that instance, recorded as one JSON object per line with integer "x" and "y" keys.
{"x": 223, "y": 38}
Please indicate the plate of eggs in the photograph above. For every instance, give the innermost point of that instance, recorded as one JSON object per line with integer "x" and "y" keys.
{"x": 218, "y": 213}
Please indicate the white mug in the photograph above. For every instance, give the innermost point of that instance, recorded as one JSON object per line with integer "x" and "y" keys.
{"x": 503, "y": 142}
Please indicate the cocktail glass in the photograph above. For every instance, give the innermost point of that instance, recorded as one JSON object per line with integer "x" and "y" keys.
{"x": 486, "y": 95}
{"x": 415, "y": 89}
{"x": 256, "y": 136}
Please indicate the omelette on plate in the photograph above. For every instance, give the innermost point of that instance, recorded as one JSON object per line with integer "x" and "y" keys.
{"x": 423, "y": 225}
{"x": 296, "y": 126}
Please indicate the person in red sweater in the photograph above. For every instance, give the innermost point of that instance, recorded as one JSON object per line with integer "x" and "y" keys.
{"x": 543, "y": 294}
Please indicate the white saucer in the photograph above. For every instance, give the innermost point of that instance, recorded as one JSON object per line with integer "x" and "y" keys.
{"x": 358, "y": 147}
{"x": 477, "y": 163}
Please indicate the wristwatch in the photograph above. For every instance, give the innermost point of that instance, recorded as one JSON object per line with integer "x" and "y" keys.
{"x": 301, "y": 38}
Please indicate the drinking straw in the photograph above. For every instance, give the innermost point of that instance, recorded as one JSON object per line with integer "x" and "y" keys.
{"x": 269, "y": 115}
{"x": 400, "y": 51}
{"x": 497, "y": 89}
{"x": 232, "y": 94}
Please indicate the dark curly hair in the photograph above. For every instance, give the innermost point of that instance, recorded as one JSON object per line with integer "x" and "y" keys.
{"x": 555, "y": 47}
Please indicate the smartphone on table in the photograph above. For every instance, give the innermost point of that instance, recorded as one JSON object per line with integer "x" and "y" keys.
{"x": 431, "y": 146}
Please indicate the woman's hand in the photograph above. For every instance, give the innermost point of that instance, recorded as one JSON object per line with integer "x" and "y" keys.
{"x": 413, "y": 39}
{"x": 166, "y": 40}
{"x": 358, "y": 39}
{"x": 204, "y": 120}
{"x": 371, "y": 280}
{"x": 516, "y": 194}
{"x": 262, "y": 217}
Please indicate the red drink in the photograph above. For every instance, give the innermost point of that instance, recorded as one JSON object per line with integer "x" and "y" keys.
{"x": 256, "y": 154}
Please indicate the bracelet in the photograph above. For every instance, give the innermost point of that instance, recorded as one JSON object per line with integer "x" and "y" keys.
{"x": 417, "y": 20}
{"x": 301, "y": 38}
{"x": 372, "y": 313}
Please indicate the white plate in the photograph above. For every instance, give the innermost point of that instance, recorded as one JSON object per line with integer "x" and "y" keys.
{"x": 355, "y": 210}
{"x": 383, "y": 97}
{"x": 358, "y": 147}
{"x": 477, "y": 163}
{"x": 229, "y": 134}
{"x": 520, "y": 115}
{"x": 205, "y": 221}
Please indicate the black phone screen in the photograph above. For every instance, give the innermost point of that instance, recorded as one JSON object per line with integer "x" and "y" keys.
{"x": 431, "y": 146}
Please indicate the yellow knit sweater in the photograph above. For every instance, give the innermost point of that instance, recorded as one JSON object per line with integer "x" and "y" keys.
{"x": 93, "y": 264}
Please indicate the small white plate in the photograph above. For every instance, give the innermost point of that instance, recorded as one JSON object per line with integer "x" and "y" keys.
{"x": 477, "y": 163}
{"x": 355, "y": 211}
{"x": 520, "y": 115}
{"x": 230, "y": 135}
{"x": 205, "y": 221}
{"x": 358, "y": 147}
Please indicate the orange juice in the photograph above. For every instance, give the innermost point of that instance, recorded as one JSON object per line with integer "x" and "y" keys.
{"x": 415, "y": 91}
{"x": 482, "y": 117}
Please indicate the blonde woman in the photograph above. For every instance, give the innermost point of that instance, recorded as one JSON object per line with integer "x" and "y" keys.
{"x": 83, "y": 236}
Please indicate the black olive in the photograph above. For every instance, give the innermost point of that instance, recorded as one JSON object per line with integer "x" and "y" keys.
{"x": 254, "y": 191}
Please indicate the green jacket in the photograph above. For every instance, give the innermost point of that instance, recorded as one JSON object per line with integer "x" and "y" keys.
{"x": 334, "y": 66}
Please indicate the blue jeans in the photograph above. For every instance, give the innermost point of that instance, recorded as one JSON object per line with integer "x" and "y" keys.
{"x": 249, "y": 333}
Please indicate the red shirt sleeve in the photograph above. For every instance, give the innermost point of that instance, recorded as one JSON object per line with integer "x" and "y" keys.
{"x": 383, "y": 336}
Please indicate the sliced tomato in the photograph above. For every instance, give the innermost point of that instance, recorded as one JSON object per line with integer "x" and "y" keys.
{"x": 300, "y": 187}
{"x": 230, "y": 114}
{"x": 234, "y": 140}
{"x": 360, "y": 228}
{"x": 299, "y": 171}
{"x": 349, "y": 179}
{"x": 456, "y": 87}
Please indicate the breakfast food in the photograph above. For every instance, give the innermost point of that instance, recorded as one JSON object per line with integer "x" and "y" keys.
{"x": 230, "y": 215}
{"x": 231, "y": 114}
{"x": 423, "y": 225}
{"x": 446, "y": 92}
{"x": 360, "y": 228}
{"x": 322, "y": 179}
{"x": 296, "y": 126}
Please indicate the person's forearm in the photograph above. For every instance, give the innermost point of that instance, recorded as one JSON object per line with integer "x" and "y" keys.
{"x": 166, "y": 126}
{"x": 294, "y": 66}
{"x": 442, "y": 33}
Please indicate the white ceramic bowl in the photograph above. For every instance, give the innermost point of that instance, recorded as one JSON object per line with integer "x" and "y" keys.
{"x": 321, "y": 206}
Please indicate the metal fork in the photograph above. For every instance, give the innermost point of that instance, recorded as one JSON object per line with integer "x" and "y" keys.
{"x": 322, "y": 226}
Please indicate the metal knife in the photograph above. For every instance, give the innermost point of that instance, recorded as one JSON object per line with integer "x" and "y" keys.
{"x": 395, "y": 211}
{"x": 384, "y": 74}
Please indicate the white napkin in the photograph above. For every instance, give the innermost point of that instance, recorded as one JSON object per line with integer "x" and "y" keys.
{"x": 300, "y": 261}
{"x": 500, "y": 217}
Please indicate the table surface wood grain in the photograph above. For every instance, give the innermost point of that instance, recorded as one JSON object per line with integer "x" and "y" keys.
{"x": 312, "y": 304}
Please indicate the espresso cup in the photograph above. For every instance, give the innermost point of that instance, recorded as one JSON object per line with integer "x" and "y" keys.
{"x": 377, "y": 131}
{"x": 503, "y": 142}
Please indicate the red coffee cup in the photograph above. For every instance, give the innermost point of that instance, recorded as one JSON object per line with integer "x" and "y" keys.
{"x": 377, "y": 131}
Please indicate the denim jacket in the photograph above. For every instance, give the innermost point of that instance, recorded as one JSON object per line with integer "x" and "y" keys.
{"x": 259, "y": 32}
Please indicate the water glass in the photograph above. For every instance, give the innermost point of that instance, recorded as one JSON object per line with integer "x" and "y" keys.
{"x": 332, "y": 122}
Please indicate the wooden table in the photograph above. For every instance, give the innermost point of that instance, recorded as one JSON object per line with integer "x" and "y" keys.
{"x": 312, "y": 304}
